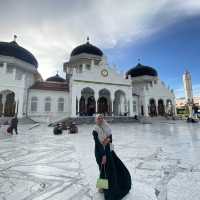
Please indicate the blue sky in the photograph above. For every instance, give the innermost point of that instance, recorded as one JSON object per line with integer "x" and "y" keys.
{"x": 161, "y": 33}
{"x": 170, "y": 51}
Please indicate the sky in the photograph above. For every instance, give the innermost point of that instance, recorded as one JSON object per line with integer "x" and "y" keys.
{"x": 163, "y": 34}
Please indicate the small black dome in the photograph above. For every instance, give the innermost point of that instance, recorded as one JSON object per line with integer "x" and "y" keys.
{"x": 87, "y": 48}
{"x": 12, "y": 49}
{"x": 56, "y": 78}
{"x": 141, "y": 70}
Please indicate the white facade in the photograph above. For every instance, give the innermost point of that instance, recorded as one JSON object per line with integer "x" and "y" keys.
{"x": 47, "y": 106}
{"x": 149, "y": 90}
{"x": 16, "y": 77}
{"x": 102, "y": 81}
{"x": 91, "y": 86}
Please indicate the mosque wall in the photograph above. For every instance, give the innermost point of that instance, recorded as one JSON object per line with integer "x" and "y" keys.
{"x": 46, "y": 106}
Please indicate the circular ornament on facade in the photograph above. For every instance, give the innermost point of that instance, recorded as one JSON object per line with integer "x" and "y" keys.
{"x": 104, "y": 72}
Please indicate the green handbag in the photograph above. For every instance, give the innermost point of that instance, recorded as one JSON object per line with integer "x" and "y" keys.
{"x": 102, "y": 183}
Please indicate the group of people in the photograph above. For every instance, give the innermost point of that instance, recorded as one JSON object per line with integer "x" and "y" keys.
{"x": 58, "y": 129}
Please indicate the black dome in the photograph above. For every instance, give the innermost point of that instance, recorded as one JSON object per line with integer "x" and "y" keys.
{"x": 141, "y": 70}
{"x": 12, "y": 49}
{"x": 87, "y": 48}
{"x": 56, "y": 78}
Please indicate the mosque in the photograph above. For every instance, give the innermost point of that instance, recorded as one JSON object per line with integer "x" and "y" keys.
{"x": 90, "y": 86}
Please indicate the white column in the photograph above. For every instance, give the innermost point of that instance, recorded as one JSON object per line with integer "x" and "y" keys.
{"x": 73, "y": 106}
{"x": 3, "y": 102}
{"x": 112, "y": 97}
{"x": 73, "y": 102}
{"x": 4, "y": 67}
{"x": 131, "y": 106}
{"x": 145, "y": 104}
{"x": 122, "y": 105}
{"x": 78, "y": 111}
{"x": 20, "y": 104}
{"x": 78, "y": 100}
{"x": 96, "y": 96}
{"x": 14, "y": 73}
{"x": 92, "y": 63}
{"x": 83, "y": 67}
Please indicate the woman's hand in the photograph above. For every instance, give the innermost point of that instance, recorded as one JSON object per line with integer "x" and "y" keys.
{"x": 104, "y": 160}
{"x": 106, "y": 141}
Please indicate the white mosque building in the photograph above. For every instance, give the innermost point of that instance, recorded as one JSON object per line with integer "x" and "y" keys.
{"x": 91, "y": 86}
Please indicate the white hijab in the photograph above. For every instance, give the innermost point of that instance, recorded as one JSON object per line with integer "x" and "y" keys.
{"x": 103, "y": 130}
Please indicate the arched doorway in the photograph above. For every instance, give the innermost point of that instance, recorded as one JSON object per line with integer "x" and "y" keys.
{"x": 9, "y": 110}
{"x": 169, "y": 107}
{"x": 152, "y": 107}
{"x": 82, "y": 106}
{"x": 102, "y": 105}
{"x": 120, "y": 106}
{"x": 161, "y": 107}
{"x": 104, "y": 102}
{"x": 87, "y": 102}
{"x": 91, "y": 106}
{"x": 142, "y": 110}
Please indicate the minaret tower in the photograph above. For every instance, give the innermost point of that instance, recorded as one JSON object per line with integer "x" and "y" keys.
{"x": 187, "y": 81}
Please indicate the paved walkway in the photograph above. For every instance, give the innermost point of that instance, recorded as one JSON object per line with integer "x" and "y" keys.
{"x": 163, "y": 158}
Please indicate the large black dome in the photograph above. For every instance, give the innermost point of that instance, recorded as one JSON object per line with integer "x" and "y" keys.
{"x": 12, "y": 49}
{"x": 56, "y": 78}
{"x": 87, "y": 48}
{"x": 141, "y": 70}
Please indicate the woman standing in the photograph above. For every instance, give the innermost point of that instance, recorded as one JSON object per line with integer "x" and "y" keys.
{"x": 119, "y": 179}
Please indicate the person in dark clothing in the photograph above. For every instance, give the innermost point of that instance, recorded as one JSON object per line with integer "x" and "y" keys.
{"x": 57, "y": 129}
{"x": 73, "y": 128}
{"x": 13, "y": 125}
{"x": 119, "y": 179}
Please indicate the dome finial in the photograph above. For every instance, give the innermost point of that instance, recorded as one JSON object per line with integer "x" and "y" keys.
{"x": 88, "y": 40}
{"x": 138, "y": 60}
{"x": 15, "y": 38}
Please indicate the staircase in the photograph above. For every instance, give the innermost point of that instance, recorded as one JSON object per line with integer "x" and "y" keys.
{"x": 91, "y": 120}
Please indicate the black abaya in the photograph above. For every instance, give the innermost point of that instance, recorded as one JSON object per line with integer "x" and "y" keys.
{"x": 119, "y": 179}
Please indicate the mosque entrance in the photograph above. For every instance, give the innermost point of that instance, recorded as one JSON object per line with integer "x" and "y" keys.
{"x": 91, "y": 104}
{"x": 82, "y": 106}
{"x": 10, "y": 105}
{"x": 161, "y": 107}
{"x": 152, "y": 108}
{"x": 104, "y": 102}
{"x": 7, "y": 103}
{"x": 103, "y": 106}
{"x": 87, "y": 103}
{"x": 120, "y": 104}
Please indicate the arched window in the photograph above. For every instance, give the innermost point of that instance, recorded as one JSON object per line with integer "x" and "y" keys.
{"x": 60, "y": 104}
{"x": 134, "y": 106}
{"x": 34, "y": 104}
{"x": 47, "y": 106}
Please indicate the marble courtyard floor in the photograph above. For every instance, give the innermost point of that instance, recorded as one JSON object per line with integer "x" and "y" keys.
{"x": 163, "y": 159}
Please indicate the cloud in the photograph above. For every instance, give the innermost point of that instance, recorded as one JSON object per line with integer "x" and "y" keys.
{"x": 51, "y": 29}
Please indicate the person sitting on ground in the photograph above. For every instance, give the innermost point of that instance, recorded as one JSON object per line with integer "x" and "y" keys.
{"x": 57, "y": 129}
{"x": 73, "y": 128}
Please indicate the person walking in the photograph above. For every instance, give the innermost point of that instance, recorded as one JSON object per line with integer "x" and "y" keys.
{"x": 14, "y": 124}
{"x": 110, "y": 166}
